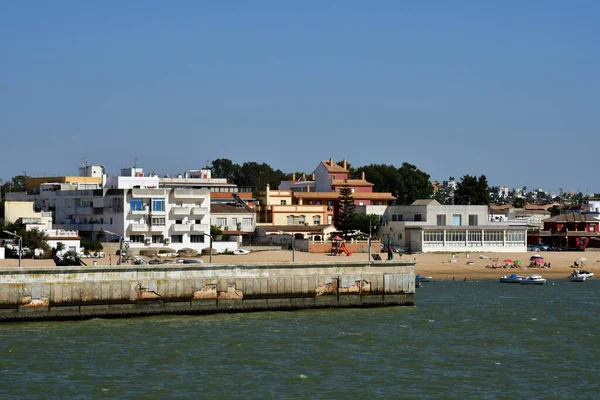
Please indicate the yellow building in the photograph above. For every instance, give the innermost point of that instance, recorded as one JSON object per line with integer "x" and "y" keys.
{"x": 32, "y": 185}
{"x": 13, "y": 210}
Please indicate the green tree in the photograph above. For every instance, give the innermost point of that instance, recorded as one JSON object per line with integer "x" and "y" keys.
{"x": 346, "y": 212}
{"x": 519, "y": 203}
{"x": 101, "y": 234}
{"x": 471, "y": 190}
{"x": 554, "y": 210}
{"x": 35, "y": 240}
{"x": 215, "y": 231}
{"x": 383, "y": 177}
{"x": 412, "y": 184}
{"x": 225, "y": 168}
{"x": 60, "y": 246}
{"x": 367, "y": 222}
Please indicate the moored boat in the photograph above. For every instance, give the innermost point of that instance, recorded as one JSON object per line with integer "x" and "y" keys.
{"x": 533, "y": 280}
{"x": 577, "y": 278}
{"x": 513, "y": 278}
{"x": 421, "y": 279}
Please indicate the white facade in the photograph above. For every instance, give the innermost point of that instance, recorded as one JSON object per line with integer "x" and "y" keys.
{"x": 427, "y": 226}
{"x": 594, "y": 206}
{"x": 145, "y": 218}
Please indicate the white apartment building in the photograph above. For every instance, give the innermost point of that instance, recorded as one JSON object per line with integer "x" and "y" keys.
{"x": 143, "y": 217}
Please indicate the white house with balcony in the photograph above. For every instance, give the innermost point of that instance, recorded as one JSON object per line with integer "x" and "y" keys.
{"x": 428, "y": 226}
{"x": 146, "y": 218}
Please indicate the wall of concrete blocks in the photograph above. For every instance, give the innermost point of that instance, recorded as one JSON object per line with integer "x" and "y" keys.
{"x": 82, "y": 292}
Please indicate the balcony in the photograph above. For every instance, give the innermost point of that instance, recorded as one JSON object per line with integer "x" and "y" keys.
{"x": 200, "y": 228}
{"x": 138, "y": 227}
{"x": 200, "y": 210}
{"x": 190, "y": 193}
{"x": 180, "y": 228}
{"x": 157, "y": 228}
{"x": 181, "y": 211}
{"x": 83, "y": 211}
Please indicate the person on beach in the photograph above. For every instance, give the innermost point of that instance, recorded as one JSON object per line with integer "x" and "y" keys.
{"x": 390, "y": 252}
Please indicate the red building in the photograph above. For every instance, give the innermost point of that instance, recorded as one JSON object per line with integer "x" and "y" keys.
{"x": 572, "y": 231}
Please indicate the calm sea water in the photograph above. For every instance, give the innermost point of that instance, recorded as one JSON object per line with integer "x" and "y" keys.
{"x": 470, "y": 340}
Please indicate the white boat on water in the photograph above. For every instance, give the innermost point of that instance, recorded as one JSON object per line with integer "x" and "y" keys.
{"x": 421, "y": 279}
{"x": 585, "y": 273}
{"x": 533, "y": 280}
{"x": 513, "y": 278}
{"x": 577, "y": 278}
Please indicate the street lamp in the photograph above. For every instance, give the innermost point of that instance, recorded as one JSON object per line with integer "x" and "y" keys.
{"x": 293, "y": 243}
{"x": 20, "y": 245}
{"x": 120, "y": 245}
{"x": 211, "y": 240}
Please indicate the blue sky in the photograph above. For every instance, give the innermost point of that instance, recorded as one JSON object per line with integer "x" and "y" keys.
{"x": 507, "y": 88}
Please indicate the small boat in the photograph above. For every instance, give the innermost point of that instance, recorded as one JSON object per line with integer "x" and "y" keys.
{"x": 421, "y": 279}
{"x": 577, "y": 278}
{"x": 533, "y": 280}
{"x": 584, "y": 273}
{"x": 513, "y": 278}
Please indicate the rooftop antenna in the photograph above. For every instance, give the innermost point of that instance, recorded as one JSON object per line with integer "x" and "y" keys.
{"x": 85, "y": 161}
{"x": 134, "y": 163}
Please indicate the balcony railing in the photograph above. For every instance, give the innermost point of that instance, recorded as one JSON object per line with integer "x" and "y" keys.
{"x": 180, "y": 228}
{"x": 138, "y": 227}
{"x": 200, "y": 228}
{"x": 181, "y": 211}
{"x": 200, "y": 210}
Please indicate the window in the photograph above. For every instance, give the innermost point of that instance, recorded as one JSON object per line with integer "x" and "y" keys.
{"x": 158, "y": 221}
{"x": 198, "y": 221}
{"x": 417, "y": 217}
{"x": 455, "y": 236}
{"x": 197, "y": 238}
{"x": 515, "y": 236}
{"x": 176, "y": 238}
{"x": 400, "y": 217}
{"x": 283, "y": 202}
{"x": 157, "y": 238}
{"x": 394, "y": 218}
{"x": 158, "y": 204}
{"x": 456, "y": 219}
{"x": 493, "y": 236}
{"x": 361, "y": 203}
{"x": 221, "y": 221}
{"x": 441, "y": 220}
{"x": 301, "y": 219}
{"x": 592, "y": 228}
{"x": 433, "y": 237}
{"x": 178, "y": 221}
{"x": 329, "y": 219}
{"x": 318, "y": 202}
{"x": 247, "y": 221}
{"x": 475, "y": 236}
{"x": 136, "y": 238}
{"x": 317, "y": 220}
{"x": 136, "y": 205}
{"x": 399, "y": 236}
{"x": 473, "y": 220}
{"x": 233, "y": 221}
{"x": 290, "y": 220}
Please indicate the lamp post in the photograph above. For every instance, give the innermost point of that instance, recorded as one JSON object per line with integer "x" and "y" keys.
{"x": 369, "y": 240}
{"x": 120, "y": 245}
{"x": 210, "y": 253}
{"x": 20, "y": 245}
{"x": 293, "y": 243}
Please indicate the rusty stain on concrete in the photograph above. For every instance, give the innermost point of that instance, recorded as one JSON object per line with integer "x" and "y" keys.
{"x": 358, "y": 287}
{"x": 37, "y": 303}
{"x": 231, "y": 294}
{"x": 328, "y": 288}
{"x": 148, "y": 294}
{"x": 206, "y": 292}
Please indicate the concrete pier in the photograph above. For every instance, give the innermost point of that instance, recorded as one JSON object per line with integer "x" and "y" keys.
{"x": 37, "y": 293}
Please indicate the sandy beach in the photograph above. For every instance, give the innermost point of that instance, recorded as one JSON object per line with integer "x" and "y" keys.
{"x": 441, "y": 266}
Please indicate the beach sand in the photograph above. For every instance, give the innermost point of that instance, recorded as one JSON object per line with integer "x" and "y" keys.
{"x": 441, "y": 266}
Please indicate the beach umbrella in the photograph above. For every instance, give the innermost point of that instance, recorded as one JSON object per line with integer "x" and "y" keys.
{"x": 518, "y": 262}
{"x": 508, "y": 260}
{"x": 337, "y": 238}
{"x": 535, "y": 256}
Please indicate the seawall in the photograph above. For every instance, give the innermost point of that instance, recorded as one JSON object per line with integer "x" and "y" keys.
{"x": 36, "y": 293}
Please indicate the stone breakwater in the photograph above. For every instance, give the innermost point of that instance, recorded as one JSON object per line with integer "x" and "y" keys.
{"x": 37, "y": 293}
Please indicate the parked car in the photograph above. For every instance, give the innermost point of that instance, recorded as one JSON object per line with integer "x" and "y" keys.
{"x": 535, "y": 248}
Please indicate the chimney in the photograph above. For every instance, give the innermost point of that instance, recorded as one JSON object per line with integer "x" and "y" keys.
{"x": 304, "y": 176}
{"x": 363, "y": 175}
{"x": 345, "y": 165}
{"x": 331, "y": 162}
{"x": 294, "y": 177}
{"x": 313, "y": 177}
